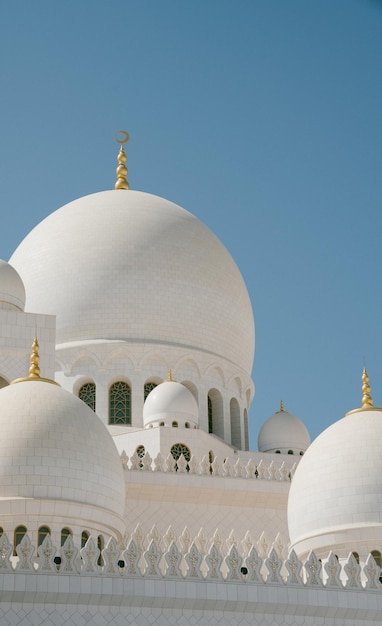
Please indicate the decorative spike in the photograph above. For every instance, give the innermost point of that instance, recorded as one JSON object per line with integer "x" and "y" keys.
{"x": 121, "y": 171}
{"x": 367, "y": 400}
{"x": 169, "y": 378}
{"x": 34, "y": 370}
{"x": 281, "y": 406}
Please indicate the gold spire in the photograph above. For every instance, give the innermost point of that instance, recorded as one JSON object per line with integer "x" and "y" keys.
{"x": 281, "y": 407}
{"x": 367, "y": 400}
{"x": 169, "y": 377}
{"x": 121, "y": 171}
{"x": 34, "y": 369}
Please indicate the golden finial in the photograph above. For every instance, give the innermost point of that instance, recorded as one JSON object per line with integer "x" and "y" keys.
{"x": 367, "y": 400}
{"x": 122, "y": 137}
{"x": 281, "y": 406}
{"x": 169, "y": 377}
{"x": 34, "y": 369}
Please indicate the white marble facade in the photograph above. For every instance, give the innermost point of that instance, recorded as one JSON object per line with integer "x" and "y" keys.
{"x": 167, "y": 518}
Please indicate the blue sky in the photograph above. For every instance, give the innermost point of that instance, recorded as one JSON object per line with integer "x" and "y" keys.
{"x": 261, "y": 117}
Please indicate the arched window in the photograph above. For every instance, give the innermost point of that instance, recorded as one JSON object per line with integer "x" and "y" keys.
{"x": 43, "y": 531}
{"x": 84, "y": 538}
{"x": 235, "y": 423}
{"x": 147, "y": 389}
{"x": 174, "y": 424}
{"x": 120, "y": 403}
{"x": 356, "y": 556}
{"x": 215, "y": 413}
{"x": 246, "y": 435}
{"x": 100, "y": 546}
{"x": 377, "y": 557}
{"x": 65, "y": 533}
{"x": 20, "y": 532}
{"x": 161, "y": 423}
{"x": 87, "y": 394}
{"x": 178, "y": 449}
{"x": 187, "y": 425}
{"x": 210, "y": 422}
{"x": 290, "y": 452}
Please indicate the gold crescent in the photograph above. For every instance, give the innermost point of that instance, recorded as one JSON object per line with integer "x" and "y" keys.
{"x": 125, "y": 136}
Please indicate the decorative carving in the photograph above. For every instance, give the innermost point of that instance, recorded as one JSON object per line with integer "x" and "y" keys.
{"x": 131, "y": 557}
{"x": 185, "y": 539}
{"x": 152, "y": 557}
{"x": 90, "y": 554}
{"x": 124, "y": 459}
{"x": 250, "y": 469}
{"x": 313, "y": 570}
{"x": 274, "y": 564}
{"x": 353, "y": 572}
{"x": 169, "y": 537}
{"x": 294, "y": 567}
{"x": 204, "y": 466}
{"x": 45, "y": 556}
{"x": 263, "y": 545}
{"x": 110, "y": 556}
{"x": 146, "y": 463}
{"x": 5, "y": 553}
{"x": 214, "y": 561}
{"x": 173, "y": 559}
{"x": 69, "y": 557}
{"x": 233, "y": 562}
{"x": 25, "y": 551}
{"x": 158, "y": 463}
{"x": 193, "y": 560}
{"x": 372, "y": 572}
{"x": 333, "y": 569}
{"x": 182, "y": 465}
{"x": 254, "y": 563}
{"x": 170, "y": 463}
{"x": 260, "y": 470}
{"x": 193, "y": 465}
{"x": 239, "y": 469}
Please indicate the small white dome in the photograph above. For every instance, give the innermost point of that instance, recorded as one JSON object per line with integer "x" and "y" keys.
{"x": 12, "y": 291}
{"x": 283, "y": 432}
{"x": 54, "y": 448}
{"x": 171, "y": 402}
{"x": 335, "y": 500}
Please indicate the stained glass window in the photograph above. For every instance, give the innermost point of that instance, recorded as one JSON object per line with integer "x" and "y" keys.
{"x": 120, "y": 403}
{"x": 87, "y": 394}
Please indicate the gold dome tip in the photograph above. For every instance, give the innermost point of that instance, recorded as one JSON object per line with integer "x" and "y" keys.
{"x": 281, "y": 407}
{"x": 122, "y": 137}
{"x": 169, "y": 377}
{"x": 367, "y": 400}
{"x": 34, "y": 369}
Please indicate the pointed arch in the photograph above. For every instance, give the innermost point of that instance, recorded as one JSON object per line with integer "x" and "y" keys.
{"x": 234, "y": 409}
{"x": 215, "y": 413}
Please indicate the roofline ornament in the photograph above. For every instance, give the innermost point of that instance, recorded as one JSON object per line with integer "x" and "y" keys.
{"x": 34, "y": 368}
{"x": 122, "y": 137}
{"x": 367, "y": 400}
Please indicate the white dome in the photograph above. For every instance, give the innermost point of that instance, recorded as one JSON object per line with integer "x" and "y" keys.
{"x": 171, "y": 401}
{"x": 283, "y": 431}
{"x": 53, "y": 447}
{"x": 12, "y": 291}
{"x": 335, "y": 500}
{"x": 131, "y": 266}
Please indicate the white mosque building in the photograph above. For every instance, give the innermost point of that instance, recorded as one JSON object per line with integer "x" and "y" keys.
{"x": 128, "y": 494}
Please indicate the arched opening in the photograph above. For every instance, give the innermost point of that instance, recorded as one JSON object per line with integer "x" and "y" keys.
{"x": 211, "y": 458}
{"x": 120, "y": 403}
{"x": 177, "y": 450}
{"x": 174, "y": 424}
{"x": 19, "y": 534}
{"x": 84, "y": 537}
{"x": 246, "y": 434}
{"x": 235, "y": 423}
{"x": 65, "y": 533}
{"x": 87, "y": 394}
{"x": 377, "y": 557}
{"x": 43, "y": 531}
{"x": 100, "y": 546}
{"x": 215, "y": 413}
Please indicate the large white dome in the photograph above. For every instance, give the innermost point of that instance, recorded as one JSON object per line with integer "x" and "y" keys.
{"x": 54, "y": 448}
{"x": 131, "y": 266}
{"x": 335, "y": 500}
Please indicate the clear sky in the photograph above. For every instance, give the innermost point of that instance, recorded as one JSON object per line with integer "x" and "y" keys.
{"x": 261, "y": 117}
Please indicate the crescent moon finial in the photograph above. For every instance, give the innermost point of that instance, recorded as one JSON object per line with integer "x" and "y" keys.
{"x": 122, "y": 137}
